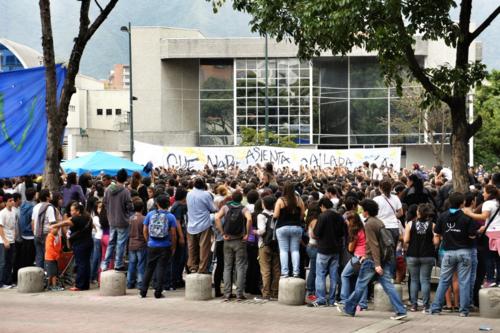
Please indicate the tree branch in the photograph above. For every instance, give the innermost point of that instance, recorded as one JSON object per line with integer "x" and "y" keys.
{"x": 101, "y": 18}
{"x": 415, "y": 68}
{"x": 98, "y": 5}
{"x": 484, "y": 25}
{"x": 473, "y": 128}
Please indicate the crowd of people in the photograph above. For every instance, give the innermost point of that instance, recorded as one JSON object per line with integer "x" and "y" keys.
{"x": 251, "y": 228}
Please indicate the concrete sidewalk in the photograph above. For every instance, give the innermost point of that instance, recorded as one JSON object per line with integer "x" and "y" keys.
{"x": 69, "y": 312}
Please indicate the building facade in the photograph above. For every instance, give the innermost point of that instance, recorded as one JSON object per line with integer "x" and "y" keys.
{"x": 119, "y": 77}
{"x": 193, "y": 90}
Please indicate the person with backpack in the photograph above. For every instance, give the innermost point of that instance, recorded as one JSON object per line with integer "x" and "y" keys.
{"x": 377, "y": 260}
{"x": 457, "y": 231}
{"x": 237, "y": 225}
{"x": 160, "y": 230}
{"x": 28, "y": 243}
{"x": 329, "y": 232}
{"x": 43, "y": 215}
{"x": 269, "y": 256}
{"x": 136, "y": 247}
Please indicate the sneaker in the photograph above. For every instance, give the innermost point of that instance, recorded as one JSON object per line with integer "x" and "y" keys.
{"x": 311, "y": 298}
{"x": 399, "y": 316}
{"x": 447, "y": 309}
{"x": 121, "y": 269}
{"x": 463, "y": 314}
{"x": 284, "y": 277}
{"x": 487, "y": 284}
{"x": 296, "y": 276}
{"x": 316, "y": 305}
{"x": 7, "y": 286}
{"x": 226, "y": 299}
{"x": 57, "y": 288}
{"x": 273, "y": 299}
{"x": 261, "y": 298}
{"x": 414, "y": 308}
{"x": 241, "y": 298}
{"x": 341, "y": 309}
{"x": 158, "y": 296}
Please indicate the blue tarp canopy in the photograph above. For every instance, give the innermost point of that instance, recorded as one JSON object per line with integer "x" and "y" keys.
{"x": 100, "y": 162}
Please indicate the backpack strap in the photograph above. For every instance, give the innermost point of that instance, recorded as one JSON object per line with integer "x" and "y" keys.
{"x": 489, "y": 222}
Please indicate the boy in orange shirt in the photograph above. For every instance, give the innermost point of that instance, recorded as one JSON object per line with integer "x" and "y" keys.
{"x": 53, "y": 245}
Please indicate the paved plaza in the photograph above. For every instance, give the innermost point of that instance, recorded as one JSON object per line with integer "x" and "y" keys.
{"x": 88, "y": 312}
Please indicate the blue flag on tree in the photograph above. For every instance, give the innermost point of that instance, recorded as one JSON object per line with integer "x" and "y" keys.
{"x": 23, "y": 121}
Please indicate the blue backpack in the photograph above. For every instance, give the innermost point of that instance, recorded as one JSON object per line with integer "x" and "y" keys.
{"x": 158, "y": 225}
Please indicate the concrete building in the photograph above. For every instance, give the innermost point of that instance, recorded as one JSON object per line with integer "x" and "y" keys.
{"x": 194, "y": 90}
{"x": 119, "y": 77}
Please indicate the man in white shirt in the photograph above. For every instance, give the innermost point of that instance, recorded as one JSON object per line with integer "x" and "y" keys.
{"x": 7, "y": 239}
{"x": 389, "y": 210}
{"x": 43, "y": 215}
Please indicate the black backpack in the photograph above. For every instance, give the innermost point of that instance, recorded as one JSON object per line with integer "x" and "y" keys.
{"x": 234, "y": 221}
{"x": 386, "y": 245}
{"x": 269, "y": 237}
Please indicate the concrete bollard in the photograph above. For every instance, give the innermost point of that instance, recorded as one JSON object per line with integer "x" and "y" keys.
{"x": 381, "y": 301}
{"x": 489, "y": 303}
{"x": 198, "y": 287}
{"x": 30, "y": 280}
{"x": 113, "y": 283}
{"x": 292, "y": 291}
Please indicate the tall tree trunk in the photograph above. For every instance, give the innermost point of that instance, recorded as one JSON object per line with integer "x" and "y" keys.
{"x": 459, "y": 146}
{"x": 51, "y": 173}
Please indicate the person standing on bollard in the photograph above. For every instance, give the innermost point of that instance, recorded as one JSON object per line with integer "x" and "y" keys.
{"x": 199, "y": 228}
{"x": 374, "y": 263}
{"x": 330, "y": 231}
{"x": 119, "y": 208}
{"x": 237, "y": 225}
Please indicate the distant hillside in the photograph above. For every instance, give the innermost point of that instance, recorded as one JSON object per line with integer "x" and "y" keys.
{"x": 20, "y": 21}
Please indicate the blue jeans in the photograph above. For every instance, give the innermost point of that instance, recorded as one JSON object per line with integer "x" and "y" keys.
{"x": 473, "y": 273}
{"x": 326, "y": 264}
{"x": 289, "y": 237}
{"x": 40, "y": 251}
{"x": 136, "y": 268}
{"x": 96, "y": 259}
{"x": 118, "y": 238}
{"x": 366, "y": 272}
{"x": 460, "y": 261}
{"x": 312, "y": 252}
{"x": 420, "y": 275}
{"x": 346, "y": 290}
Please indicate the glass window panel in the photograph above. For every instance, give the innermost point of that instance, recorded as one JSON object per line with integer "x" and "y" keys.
{"x": 304, "y": 73}
{"x": 241, "y": 64}
{"x": 283, "y": 130}
{"x": 304, "y": 82}
{"x": 251, "y": 64}
{"x": 251, "y": 111}
{"x": 304, "y": 101}
{"x": 241, "y": 83}
{"x": 283, "y": 101}
{"x": 368, "y": 140}
{"x": 251, "y": 83}
{"x": 283, "y": 91}
{"x": 369, "y": 116}
{"x": 332, "y": 140}
{"x": 273, "y": 111}
{"x": 273, "y": 121}
{"x": 252, "y": 121}
{"x": 242, "y": 121}
{"x": 294, "y": 101}
{"x": 251, "y": 92}
{"x": 251, "y": 101}
{"x": 241, "y": 111}
{"x": 241, "y": 92}
{"x": 305, "y": 120}
{"x": 216, "y": 140}
{"x": 295, "y": 91}
{"x": 294, "y": 111}
{"x": 241, "y": 102}
{"x": 240, "y": 74}
{"x": 366, "y": 73}
{"x": 332, "y": 116}
{"x": 273, "y": 101}
{"x": 216, "y": 117}
{"x": 283, "y": 121}
{"x": 283, "y": 111}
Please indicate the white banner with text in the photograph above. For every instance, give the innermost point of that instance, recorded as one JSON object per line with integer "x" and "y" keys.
{"x": 242, "y": 156}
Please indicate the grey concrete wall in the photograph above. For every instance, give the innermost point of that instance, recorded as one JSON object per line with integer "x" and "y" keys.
{"x": 423, "y": 156}
{"x": 180, "y": 95}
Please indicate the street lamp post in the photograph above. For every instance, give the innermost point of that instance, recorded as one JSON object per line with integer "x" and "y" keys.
{"x": 128, "y": 30}
{"x": 267, "y": 97}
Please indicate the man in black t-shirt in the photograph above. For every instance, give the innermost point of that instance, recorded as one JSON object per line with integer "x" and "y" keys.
{"x": 329, "y": 231}
{"x": 457, "y": 232}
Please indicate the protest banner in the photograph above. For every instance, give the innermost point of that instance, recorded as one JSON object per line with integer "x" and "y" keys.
{"x": 222, "y": 157}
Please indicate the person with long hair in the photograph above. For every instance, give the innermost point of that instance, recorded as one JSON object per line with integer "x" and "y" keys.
{"x": 313, "y": 212}
{"x": 421, "y": 254}
{"x": 490, "y": 216}
{"x": 289, "y": 211}
{"x": 80, "y": 224}
{"x": 356, "y": 246}
{"x": 72, "y": 190}
{"x": 97, "y": 237}
{"x": 416, "y": 193}
{"x": 136, "y": 181}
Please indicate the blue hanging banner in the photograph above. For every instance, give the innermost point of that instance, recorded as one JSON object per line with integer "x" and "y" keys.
{"x": 23, "y": 121}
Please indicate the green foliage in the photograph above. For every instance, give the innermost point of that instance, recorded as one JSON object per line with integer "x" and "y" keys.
{"x": 250, "y": 137}
{"x": 487, "y": 105}
{"x": 387, "y": 27}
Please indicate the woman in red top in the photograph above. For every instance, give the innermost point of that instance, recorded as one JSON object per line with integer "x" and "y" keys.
{"x": 357, "y": 246}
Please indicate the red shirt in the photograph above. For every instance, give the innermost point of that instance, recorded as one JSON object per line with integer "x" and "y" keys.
{"x": 53, "y": 245}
